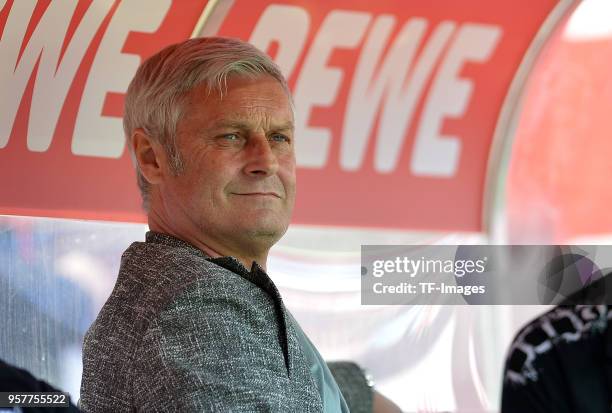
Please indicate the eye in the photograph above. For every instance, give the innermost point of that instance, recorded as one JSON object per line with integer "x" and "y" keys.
{"x": 230, "y": 139}
{"x": 279, "y": 137}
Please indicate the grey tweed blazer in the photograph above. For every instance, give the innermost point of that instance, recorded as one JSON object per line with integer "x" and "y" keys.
{"x": 185, "y": 332}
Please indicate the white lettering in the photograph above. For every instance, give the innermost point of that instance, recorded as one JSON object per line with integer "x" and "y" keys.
{"x": 402, "y": 92}
{"x": 286, "y": 25}
{"x": 377, "y": 268}
{"x": 435, "y": 154}
{"x": 318, "y": 84}
{"x": 53, "y": 78}
{"x": 102, "y": 136}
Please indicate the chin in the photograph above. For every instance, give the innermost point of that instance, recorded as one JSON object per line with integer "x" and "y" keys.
{"x": 271, "y": 232}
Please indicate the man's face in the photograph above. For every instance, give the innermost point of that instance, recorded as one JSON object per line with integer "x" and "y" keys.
{"x": 237, "y": 185}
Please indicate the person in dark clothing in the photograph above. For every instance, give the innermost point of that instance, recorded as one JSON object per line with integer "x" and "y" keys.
{"x": 561, "y": 362}
{"x": 13, "y": 379}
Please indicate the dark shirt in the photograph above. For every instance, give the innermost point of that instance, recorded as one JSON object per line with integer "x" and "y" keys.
{"x": 13, "y": 379}
{"x": 561, "y": 362}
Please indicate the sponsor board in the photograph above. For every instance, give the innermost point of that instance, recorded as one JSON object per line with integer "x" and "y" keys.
{"x": 395, "y": 117}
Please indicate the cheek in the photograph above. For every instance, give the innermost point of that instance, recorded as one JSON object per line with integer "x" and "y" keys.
{"x": 287, "y": 166}
{"x": 287, "y": 176}
{"x": 214, "y": 180}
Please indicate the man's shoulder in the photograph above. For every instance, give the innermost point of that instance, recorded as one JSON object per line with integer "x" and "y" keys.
{"x": 159, "y": 271}
{"x": 559, "y": 334}
{"x": 152, "y": 276}
{"x": 155, "y": 282}
{"x": 155, "y": 261}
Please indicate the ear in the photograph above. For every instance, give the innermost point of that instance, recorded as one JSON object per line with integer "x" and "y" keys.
{"x": 150, "y": 156}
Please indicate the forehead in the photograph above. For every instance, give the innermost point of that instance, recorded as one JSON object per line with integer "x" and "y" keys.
{"x": 256, "y": 100}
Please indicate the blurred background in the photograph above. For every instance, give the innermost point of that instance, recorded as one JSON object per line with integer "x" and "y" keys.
{"x": 418, "y": 123}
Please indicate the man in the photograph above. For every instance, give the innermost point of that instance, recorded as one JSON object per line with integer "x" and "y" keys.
{"x": 194, "y": 322}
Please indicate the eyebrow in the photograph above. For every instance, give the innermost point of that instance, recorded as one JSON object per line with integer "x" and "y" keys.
{"x": 234, "y": 124}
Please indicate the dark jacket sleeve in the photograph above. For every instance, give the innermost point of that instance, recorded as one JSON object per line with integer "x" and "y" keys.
{"x": 353, "y": 385}
{"x": 560, "y": 369}
{"x": 547, "y": 395}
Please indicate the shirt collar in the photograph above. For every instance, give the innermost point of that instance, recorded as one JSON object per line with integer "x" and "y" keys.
{"x": 230, "y": 263}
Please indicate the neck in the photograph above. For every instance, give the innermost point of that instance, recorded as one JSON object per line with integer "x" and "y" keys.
{"x": 205, "y": 244}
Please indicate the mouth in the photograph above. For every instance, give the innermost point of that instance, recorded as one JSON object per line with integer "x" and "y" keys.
{"x": 258, "y": 194}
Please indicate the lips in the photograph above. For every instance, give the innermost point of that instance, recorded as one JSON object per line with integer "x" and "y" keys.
{"x": 257, "y": 194}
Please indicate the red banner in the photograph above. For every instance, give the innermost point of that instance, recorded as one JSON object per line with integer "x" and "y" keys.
{"x": 65, "y": 69}
{"x": 397, "y": 102}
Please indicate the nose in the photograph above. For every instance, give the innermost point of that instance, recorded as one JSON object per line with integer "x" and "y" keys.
{"x": 261, "y": 159}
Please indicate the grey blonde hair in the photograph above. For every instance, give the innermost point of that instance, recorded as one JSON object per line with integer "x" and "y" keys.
{"x": 155, "y": 99}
